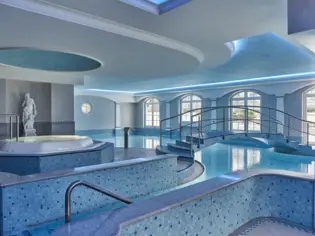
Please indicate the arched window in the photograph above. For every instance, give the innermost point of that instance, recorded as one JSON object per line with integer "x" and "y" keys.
{"x": 152, "y": 112}
{"x": 251, "y": 100}
{"x": 310, "y": 113}
{"x": 187, "y": 104}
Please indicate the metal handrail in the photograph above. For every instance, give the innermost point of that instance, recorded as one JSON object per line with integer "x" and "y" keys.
{"x": 220, "y": 107}
{"x": 17, "y": 120}
{"x": 214, "y": 108}
{"x": 261, "y": 111}
{"x": 77, "y": 183}
{"x": 219, "y": 121}
{"x": 171, "y": 130}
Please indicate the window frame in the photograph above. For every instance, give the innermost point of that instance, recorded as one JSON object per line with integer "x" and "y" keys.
{"x": 191, "y": 101}
{"x": 153, "y": 102}
{"x": 84, "y": 105}
{"x": 245, "y": 99}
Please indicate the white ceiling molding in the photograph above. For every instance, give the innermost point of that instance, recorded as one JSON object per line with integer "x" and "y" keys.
{"x": 40, "y": 76}
{"x": 82, "y": 18}
{"x": 116, "y": 96}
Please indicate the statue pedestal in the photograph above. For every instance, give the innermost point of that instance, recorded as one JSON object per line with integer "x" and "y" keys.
{"x": 29, "y": 132}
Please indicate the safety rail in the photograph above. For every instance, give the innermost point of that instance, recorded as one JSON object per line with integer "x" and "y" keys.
{"x": 196, "y": 117}
{"x": 77, "y": 183}
{"x": 12, "y": 118}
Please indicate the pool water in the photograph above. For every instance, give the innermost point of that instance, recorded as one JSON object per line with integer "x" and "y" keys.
{"x": 221, "y": 158}
{"x": 217, "y": 159}
{"x": 138, "y": 141}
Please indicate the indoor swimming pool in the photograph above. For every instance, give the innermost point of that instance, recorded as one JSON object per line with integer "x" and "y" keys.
{"x": 221, "y": 158}
{"x": 138, "y": 141}
{"x": 217, "y": 159}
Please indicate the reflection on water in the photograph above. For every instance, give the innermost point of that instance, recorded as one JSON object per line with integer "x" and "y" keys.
{"x": 222, "y": 158}
{"x": 150, "y": 142}
{"x": 244, "y": 158}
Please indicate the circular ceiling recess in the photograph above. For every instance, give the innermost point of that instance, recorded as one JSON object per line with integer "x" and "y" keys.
{"x": 46, "y": 60}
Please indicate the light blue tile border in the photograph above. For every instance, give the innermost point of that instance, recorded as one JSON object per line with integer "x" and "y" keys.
{"x": 141, "y": 217}
{"x": 40, "y": 198}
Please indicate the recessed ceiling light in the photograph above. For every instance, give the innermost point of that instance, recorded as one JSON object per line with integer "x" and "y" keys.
{"x": 157, "y": 7}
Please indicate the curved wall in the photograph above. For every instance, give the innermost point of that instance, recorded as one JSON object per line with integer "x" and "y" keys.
{"x": 102, "y": 116}
{"x": 223, "y": 210}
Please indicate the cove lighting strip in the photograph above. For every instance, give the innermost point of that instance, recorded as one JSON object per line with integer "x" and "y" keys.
{"x": 277, "y": 78}
{"x": 157, "y": 7}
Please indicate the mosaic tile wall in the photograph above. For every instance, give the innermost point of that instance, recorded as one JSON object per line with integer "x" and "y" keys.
{"x": 221, "y": 212}
{"x": 27, "y": 165}
{"x": 72, "y": 160}
{"x": 31, "y": 203}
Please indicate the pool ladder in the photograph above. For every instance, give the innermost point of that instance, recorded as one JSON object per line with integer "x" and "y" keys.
{"x": 77, "y": 183}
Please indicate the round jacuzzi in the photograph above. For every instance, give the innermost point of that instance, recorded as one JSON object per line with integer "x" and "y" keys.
{"x": 45, "y": 144}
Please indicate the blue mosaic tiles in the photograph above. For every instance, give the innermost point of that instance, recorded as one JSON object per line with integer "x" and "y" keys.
{"x": 221, "y": 212}
{"x": 30, "y": 203}
{"x": 32, "y": 164}
{"x": 272, "y": 226}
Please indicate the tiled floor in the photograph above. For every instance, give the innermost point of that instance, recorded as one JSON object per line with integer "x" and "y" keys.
{"x": 271, "y": 227}
{"x": 122, "y": 154}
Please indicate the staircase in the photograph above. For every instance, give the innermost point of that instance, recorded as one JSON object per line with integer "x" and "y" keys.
{"x": 198, "y": 134}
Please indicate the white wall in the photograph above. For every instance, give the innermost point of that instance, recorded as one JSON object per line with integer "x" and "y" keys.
{"x": 62, "y": 102}
{"x": 102, "y": 116}
{"x": 132, "y": 114}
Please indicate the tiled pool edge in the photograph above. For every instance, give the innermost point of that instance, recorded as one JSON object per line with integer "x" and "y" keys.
{"x": 29, "y": 164}
{"x": 39, "y": 206}
{"x": 140, "y": 210}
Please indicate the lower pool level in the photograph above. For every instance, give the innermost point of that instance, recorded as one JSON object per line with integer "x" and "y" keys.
{"x": 217, "y": 159}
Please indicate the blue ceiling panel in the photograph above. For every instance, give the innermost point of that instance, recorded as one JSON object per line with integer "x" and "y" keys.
{"x": 156, "y": 6}
{"x": 46, "y": 60}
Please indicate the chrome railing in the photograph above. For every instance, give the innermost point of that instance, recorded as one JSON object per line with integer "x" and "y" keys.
{"x": 90, "y": 186}
{"x": 290, "y": 126}
{"x": 12, "y": 118}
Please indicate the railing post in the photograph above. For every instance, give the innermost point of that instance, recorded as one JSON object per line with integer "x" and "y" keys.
{"x": 201, "y": 128}
{"x": 288, "y": 128}
{"x": 191, "y": 136}
{"x": 199, "y": 131}
{"x": 224, "y": 119}
{"x": 246, "y": 120}
{"x": 161, "y": 123}
{"x": 17, "y": 128}
{"x": 180, "y": 126}
{"x": 11, "y": 131}
{"x": 308, "y": 134}
{"x": 269, "y": 131}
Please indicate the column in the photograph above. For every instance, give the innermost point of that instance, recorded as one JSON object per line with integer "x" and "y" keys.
{"x": 280, "y": 115}
{"x": 214, "y": 115}
{"x": 117, "y": 115}
{"x": 168, "y": 114}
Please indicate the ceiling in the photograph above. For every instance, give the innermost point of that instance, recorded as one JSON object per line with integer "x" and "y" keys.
{"x": 203, "y": 42}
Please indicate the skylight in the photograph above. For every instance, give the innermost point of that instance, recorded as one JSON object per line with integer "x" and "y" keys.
{"x": 156, "y": 6}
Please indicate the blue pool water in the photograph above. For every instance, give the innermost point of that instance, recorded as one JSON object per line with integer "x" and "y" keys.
{"x": 134, "y": 140}
{"x": 221, "y": 158}
{"x": 217, "y": 159}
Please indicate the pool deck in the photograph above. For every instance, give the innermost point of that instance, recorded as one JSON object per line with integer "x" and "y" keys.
{"x": 122, "y": 154}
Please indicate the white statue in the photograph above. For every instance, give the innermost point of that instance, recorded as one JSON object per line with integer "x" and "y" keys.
{"x": 29, "y": 114}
